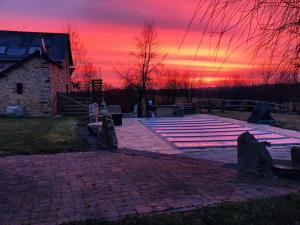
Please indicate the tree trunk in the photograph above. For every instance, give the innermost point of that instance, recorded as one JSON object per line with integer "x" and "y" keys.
{"x": 142, "y": 104}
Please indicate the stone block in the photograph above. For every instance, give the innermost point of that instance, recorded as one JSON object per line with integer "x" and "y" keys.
{"x": 295, "y": 156}
{"x": 253, "y": 156}
{"x": 107, "y": 136}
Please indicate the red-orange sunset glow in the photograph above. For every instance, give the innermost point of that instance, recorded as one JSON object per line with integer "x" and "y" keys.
{"x": 108, "y": 28}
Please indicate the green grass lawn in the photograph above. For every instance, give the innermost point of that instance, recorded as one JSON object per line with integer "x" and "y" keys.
{"x": 39, "y": 135}
{"x": 283, "y": 210}
{"x": 291, "y": 122}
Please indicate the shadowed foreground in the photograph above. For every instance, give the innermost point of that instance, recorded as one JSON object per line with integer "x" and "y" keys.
{"x": 74, "y": 186}
{"x": 272, "y": 211}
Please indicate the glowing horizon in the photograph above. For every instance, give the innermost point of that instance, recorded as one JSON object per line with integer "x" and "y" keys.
{"x": 108, "y": 30}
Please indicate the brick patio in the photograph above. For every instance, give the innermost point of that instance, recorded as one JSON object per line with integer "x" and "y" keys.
{"x": 58, "y": 188}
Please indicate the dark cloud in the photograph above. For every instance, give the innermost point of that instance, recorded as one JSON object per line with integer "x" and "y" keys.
{"x": 165, "y": 13}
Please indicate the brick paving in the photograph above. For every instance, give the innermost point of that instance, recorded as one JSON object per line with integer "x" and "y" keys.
{"x": 52, "y": 189}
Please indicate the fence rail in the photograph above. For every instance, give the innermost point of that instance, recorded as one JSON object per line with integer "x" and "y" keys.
{"x": 241, "y": 105}
{"x": 64, "y": 101}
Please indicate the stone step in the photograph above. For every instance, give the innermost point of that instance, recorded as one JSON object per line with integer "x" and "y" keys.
{"x": 72, "y": 113}
{"x": 75, "y": 108}
{"x": 286, "y": 171}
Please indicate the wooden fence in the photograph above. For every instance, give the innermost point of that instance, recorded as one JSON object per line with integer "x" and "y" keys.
{"x": 241, "y": 105}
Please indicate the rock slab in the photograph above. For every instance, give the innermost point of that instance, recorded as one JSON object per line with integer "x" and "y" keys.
{"x": 295, "y": 156}
{"x": 253, "y": 156}
{"x": 262, "y": 115}
{"x": 94, "y": 128}
{"x": 107, "y": 136}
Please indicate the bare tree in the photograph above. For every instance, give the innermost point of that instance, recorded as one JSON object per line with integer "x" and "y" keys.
{"x": 190, "y": 81}
{"x": 88, "y": 73}
{"x": 176, "y": 82}
{"x": 85, "y": 70}
{"x": 144, "y": 63}
{"x": 79, "y": 51}
{"x": 169, "y": 81}
{"x": 269, "y": 28}
{"x": 266, "y": 76}
{"x": 108, "y": 86}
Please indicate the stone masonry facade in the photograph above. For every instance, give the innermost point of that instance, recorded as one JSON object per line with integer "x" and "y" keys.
{"x": 40, "y": 80}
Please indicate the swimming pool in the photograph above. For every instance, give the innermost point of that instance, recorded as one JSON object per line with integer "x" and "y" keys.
{"x": 199, "y": 133}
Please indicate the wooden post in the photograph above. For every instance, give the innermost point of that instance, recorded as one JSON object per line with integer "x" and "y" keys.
{"x": 198, "y": 106}
{"x": 208, "y": 106}
{"x": 223, "y": 106}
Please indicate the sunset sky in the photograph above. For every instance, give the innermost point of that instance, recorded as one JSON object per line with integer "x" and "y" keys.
{"x": 108, "y": 27}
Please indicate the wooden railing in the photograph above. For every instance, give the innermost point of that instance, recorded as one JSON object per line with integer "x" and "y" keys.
{"x": 63, "y": 100}
{"x": 240, "y": 105}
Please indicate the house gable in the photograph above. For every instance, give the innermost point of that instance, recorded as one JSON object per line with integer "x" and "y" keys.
{"x": 27, "y": 85}
{"x": 41, "y": 62}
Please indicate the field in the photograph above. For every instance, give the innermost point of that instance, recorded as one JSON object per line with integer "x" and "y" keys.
{"x": 291, "y": 122}
{"x": 39, "y": 136}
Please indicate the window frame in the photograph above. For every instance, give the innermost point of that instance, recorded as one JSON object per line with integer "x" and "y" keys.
{"x": 19, "y": 88}
{"x": 5, "y": 49}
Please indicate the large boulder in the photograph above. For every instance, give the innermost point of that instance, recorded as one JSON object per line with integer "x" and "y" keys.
{"x": 295, "y": 156}
{"x": 107, "y": 136}
{"x": 93, "y": 113}
{"x": 262, "y": 114}
{"x": 253, "y": 156}
{"x": 94, "y": 128}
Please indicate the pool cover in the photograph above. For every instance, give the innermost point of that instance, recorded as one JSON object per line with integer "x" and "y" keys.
{"x": 202, "y": 133}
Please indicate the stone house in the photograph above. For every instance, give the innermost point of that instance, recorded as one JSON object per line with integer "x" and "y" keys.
{"x": 34, "y": 67}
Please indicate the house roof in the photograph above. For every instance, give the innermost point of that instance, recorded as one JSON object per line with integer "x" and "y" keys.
{"x": 26, "y": 59}
{"x": 17, "y": 45}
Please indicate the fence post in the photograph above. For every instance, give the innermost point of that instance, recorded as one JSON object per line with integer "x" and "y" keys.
{"x": 58, "y": 103}
{"x": 208, "y": 106}
{"x": 223, "y": 106}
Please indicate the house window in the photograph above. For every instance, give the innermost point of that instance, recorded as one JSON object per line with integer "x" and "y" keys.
{"x": 33, "y": 50}
{"x": 19, "y": 88}
{"x": 3, "y": 50}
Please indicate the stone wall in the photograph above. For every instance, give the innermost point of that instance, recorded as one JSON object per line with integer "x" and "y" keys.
{"x": 60, "y": 82}
{"x": 40, "y": 81}
{"x": 35, "y": 80}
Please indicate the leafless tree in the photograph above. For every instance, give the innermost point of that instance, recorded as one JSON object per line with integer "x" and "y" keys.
{"x": 79, "y": 50}
{"x": 266, "y": 76}
{"x": 88, "y": 73}
{"x": 144, "y": 63}
{"x": 269, "y": 28}
{"x": 108, "y": 86}
{"x": 169, "y": 80}
{"x": 85, "y": 70}
{"x": 187, "y": 84}
{"x": 282, "y": 77}
{"x": 184, "y": 82}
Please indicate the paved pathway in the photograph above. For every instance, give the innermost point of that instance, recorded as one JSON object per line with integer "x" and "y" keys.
{"x": 57, "y": 188}
{"x": 134, "y": 135}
